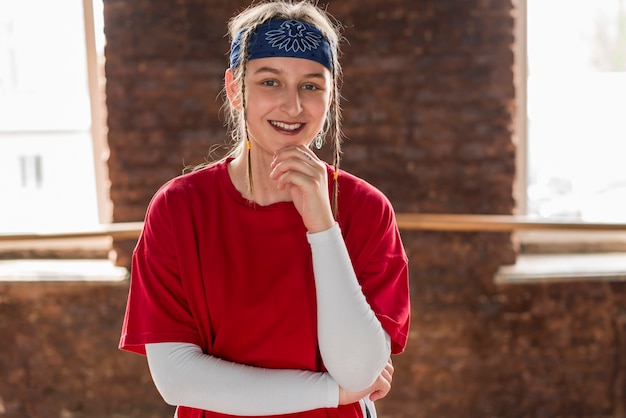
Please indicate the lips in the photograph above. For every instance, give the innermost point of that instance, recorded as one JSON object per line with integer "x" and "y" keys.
{"x": 287, "y": 127}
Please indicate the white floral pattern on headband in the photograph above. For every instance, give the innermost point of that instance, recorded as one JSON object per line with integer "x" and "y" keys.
{"x": 293, "y": 36}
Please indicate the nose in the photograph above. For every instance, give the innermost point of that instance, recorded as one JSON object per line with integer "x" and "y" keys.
{"x": 292, "y": 103}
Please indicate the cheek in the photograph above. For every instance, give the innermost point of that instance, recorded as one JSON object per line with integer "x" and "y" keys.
{"x": 320, "y": 104}
{"x": 264, "y": 99}
{"x": 323, "y": 108}
{"x": 256, "y": 104}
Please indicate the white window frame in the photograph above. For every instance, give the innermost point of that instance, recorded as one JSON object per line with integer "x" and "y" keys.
{"x": 95, "y": 77}
{"x": 77, "y": 241}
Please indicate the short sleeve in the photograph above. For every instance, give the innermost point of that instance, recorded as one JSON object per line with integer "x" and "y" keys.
{"x": 384, "y": 283}
{"x": 157, "y": 309}
{"x": 379, "y": 260}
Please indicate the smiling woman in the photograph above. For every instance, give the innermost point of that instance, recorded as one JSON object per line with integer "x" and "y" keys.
{"x": 271, "y": 282}
{"x": 284, "y": 38}
{"x": 291, "y": 98}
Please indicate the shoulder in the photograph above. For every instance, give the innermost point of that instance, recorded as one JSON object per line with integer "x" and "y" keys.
{"x": 193, "y": 181}
{"x": 176, "y": 204}
{"x": 364, "y": 213}
{"x": 368, "y": 223}
{"x": 356, "y": 195}
{"x": 180, "y": 190}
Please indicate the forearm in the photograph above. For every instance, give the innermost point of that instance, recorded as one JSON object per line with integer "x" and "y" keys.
{"x": 353, "y": 344}
{"x": 184, "y": 375}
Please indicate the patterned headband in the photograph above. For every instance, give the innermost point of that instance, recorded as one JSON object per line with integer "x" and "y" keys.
{"x": 283, "y": 38}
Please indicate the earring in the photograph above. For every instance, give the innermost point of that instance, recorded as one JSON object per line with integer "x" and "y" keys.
{"x": 319, "y": 141}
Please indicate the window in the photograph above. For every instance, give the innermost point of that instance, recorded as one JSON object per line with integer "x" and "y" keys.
{"x": 571, "y": 92}
{"x": 576, "y": 98}
{"x": 47, "y": 168}
{"x": 572, "y": 97}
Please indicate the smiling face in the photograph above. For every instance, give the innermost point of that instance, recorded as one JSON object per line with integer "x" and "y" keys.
{"x": 287, "y": 100}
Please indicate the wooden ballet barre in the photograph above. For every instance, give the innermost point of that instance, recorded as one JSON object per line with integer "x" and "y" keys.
{"x": 119, "y": 230}
{"x": 406, "y": 221}
{"x": 495, "y": 223}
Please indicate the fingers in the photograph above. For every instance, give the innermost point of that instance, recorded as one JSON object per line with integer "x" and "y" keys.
{"x": 382, "y": 386}
{"x": 389, "y": 367}
{"x": 386, "y": 374}
{"x": 298, "y": 170}
{"x": 296, "y": 165}
{"x": 378, "y": 390}
{"x": 296, "y": 153}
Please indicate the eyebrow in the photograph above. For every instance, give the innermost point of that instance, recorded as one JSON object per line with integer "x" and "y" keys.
{"x": 277, "y": 72}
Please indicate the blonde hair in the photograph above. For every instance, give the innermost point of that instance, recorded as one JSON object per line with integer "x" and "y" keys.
{"x": 246, "y": 22}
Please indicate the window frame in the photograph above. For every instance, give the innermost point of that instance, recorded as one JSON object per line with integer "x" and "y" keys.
{"x": 551, "y": 241}
{"x": 92, "y": 243}
{"x": 96, "y": 83}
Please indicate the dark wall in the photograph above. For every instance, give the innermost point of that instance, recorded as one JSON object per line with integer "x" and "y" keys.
{"x": 428, "y": 91}
{"x": 59, "y": 357}
{"x": 429, "y": 108}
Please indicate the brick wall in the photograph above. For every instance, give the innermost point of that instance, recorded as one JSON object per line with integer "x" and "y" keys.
{"x": 58, "y": 354}
{"x": 428, "y": 98}
{"x": 428, "y": 113}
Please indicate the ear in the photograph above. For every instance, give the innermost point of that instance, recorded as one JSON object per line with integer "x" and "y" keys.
{"x": 232, "y": 90}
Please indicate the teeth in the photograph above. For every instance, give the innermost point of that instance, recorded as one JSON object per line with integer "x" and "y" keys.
{"x": 287, "y": 126}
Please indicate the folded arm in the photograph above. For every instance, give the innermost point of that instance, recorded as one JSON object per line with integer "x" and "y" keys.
{"x": 184, "y": 375}
{"x": 354, "y": 347}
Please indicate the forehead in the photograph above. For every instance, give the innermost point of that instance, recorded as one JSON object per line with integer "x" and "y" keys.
{"x": 288, "y": 67}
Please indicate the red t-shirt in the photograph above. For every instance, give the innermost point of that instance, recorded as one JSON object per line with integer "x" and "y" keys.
{"x": 213, "y": 269}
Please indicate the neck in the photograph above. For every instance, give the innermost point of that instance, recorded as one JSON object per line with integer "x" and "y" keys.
{"x": 265, "y": 191}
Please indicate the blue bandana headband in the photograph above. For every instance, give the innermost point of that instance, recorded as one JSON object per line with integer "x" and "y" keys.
{"x": 283, "y": 38}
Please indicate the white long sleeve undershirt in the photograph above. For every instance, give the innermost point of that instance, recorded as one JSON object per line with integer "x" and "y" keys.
{"x": 353, "y": 345}
{"x": 184, "y": 375}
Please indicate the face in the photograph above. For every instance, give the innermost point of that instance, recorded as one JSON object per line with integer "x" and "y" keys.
{"x": 286, "y": 101}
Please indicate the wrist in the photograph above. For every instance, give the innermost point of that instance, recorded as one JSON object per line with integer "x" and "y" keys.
{"x": 322, "y": 221}
{"x": 321, "y": 227}
{"x": 323, "y": 231}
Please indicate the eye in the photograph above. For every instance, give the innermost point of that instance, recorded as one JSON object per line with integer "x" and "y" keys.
{"x": 270, "y": 83}
{"x": 310, "y": 87}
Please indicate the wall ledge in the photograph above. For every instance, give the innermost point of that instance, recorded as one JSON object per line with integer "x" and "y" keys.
{"x": 541, "y": 268}
{"x": 61, "y": 271}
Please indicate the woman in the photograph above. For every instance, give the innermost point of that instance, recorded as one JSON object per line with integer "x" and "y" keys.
{"x": 270, "y": 282}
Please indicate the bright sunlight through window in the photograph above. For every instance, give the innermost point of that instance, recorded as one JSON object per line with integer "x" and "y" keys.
{"x": 576, "y": 105}
{"x": 47, "y": 177}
